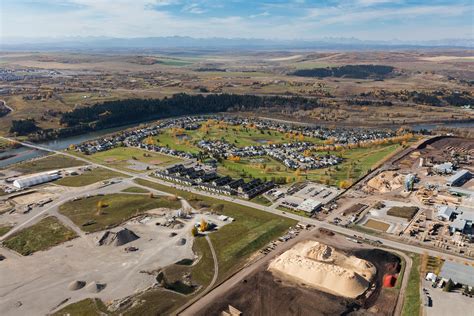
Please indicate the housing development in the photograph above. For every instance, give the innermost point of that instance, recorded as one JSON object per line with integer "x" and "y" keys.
{"x": 144, "y": 171}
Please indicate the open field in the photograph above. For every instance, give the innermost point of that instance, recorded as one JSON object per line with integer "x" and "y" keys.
{"x": 131, "y": 159}
{"x": 88, "y": 177}
{"x": 50, "y": 162}
{"x": 255, "y": 227}
{"x": 135, "y": 190}
{"x": 5, "y": 229}
{"x": 378, "y": 225}
{"x": 159, "y": 301}
{"x": 155, "y": 301}
{"x": 86, "y": 307}
{"x": 47, "y": 233}
{"x": 100, "y": 212}
{"x": 261, "y": 200}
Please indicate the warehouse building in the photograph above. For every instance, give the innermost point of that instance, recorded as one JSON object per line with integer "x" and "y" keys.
{"x": 309, "y": 206}
{"x": 35, "y": 179}
{"x": 459, "y": 178}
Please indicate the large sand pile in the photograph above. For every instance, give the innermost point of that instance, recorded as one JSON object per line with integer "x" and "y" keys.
{"x": 117, "y": 238}
{"x": 324, "y": 268}
{"x": 386, "y": 182}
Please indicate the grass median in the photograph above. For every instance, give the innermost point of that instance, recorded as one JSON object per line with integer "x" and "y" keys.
{"x": 412, "y": 302}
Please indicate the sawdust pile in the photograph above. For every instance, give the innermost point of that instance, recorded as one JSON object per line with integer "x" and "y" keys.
{"x": 322, "y": 267}
{"x": 386, "y": 182}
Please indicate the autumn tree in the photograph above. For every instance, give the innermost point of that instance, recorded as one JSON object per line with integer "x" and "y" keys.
{"x": 203, "y": 226}
{"x": 99, "y": 207}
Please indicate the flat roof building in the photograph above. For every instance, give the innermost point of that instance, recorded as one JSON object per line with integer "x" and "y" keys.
{"x": 309, "y": 206}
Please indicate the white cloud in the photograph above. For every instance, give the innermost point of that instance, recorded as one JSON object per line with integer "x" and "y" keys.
{"x": 194, "y": 8}
{"x": 263, "y": 14}
{"x": 140, "y": 18}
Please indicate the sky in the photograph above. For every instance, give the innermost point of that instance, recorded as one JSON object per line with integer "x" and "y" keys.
{"x": 410, "y": 20}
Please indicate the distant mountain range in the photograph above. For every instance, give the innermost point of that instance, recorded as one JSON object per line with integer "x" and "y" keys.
{"x": 180, "y": 42}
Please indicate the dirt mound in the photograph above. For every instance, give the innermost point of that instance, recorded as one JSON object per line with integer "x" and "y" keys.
{"x": 118, "y": 238}
{"x": 181, "y": 242}
{"x": 76, "y": 285}
{"x": 325, "y": 268}
{"x": 95, "y": 287}
{"x": 178, "y": 226}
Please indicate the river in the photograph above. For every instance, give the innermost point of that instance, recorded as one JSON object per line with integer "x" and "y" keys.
{"x": 23, "y": 153}
{"x": 16, "y": 155}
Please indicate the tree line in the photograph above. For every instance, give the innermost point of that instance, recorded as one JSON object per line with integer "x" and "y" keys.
{"x": 122, "y": 112}
{"x": 347, "y": 71}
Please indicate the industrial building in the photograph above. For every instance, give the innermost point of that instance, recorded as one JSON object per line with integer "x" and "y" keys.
{"x": 461, "y": 218}
{"x": 35, "y": 179}
{"x": 459, "y": 178}
{"x": 309, "y": 206}
{"x": 444, "y": 168}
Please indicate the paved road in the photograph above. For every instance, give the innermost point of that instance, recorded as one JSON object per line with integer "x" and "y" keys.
{"x": 319, "y": 224}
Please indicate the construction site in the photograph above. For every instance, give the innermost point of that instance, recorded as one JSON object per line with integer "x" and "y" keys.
{"x": 317, "y": 277}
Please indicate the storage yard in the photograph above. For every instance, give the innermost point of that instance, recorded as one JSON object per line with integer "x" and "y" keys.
{"x": 426, "y": 197}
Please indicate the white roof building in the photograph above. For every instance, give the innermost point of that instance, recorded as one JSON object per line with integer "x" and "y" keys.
{"x": 309, "y": 205}
{"x": 39, "y": 178}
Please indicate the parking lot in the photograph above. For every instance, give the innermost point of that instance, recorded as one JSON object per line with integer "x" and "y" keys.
{"x": 444, "y": 303}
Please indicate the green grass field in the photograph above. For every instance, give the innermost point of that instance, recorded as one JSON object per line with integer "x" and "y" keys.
{"x": 86, "y": 307}
{"x": 123, "y": 157}
{"x": 411, "y": 305}
{"x": 253, "y": 227}
{"x": 47, "y": 233}
{"x": 261, "y": 200}
{"x": 89, "y": 177}
{"x": 47, "y": 163}
{"x": 5, "y": 229}
{"x": 135, "y": 190}
{"x": 116, "y": 209}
